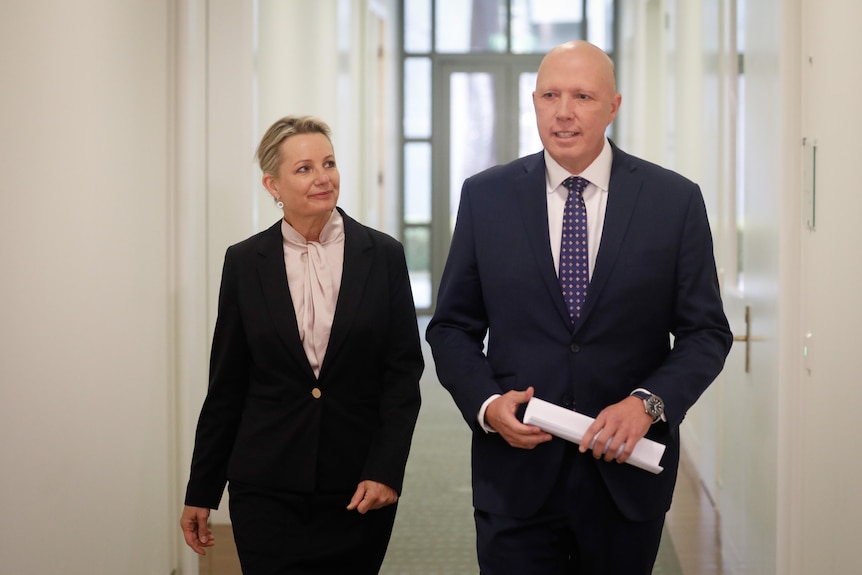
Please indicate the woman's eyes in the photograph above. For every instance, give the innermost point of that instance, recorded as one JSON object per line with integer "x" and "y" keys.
{"x": 304, "y": 169}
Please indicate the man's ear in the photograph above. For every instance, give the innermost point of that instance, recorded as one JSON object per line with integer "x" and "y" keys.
{"x": 618, "y": 98}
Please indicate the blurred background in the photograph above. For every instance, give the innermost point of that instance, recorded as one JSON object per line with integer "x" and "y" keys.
{"x": 127, "y": 138}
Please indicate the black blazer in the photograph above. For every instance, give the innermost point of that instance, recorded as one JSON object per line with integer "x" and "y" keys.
{"x": 266, "y": 420}
{"x": 654, "y": 276}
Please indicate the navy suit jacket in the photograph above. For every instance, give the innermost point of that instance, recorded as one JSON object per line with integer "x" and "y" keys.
{"x": 262, "y": 422}
{"x": 654, "y": 277}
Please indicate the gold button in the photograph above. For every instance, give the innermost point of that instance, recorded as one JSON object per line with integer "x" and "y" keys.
{"x": 315, "y": 393}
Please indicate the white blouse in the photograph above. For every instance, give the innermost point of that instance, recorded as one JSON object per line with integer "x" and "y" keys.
{"x": 314, "y": 277}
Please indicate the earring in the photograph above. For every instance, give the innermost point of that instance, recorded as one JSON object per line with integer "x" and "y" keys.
{"x": 279, "y": 204}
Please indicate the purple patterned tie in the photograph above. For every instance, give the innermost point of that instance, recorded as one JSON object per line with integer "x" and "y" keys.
{"x": 574, "y": 257}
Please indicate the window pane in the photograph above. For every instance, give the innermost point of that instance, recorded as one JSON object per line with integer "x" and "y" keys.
{"x": 472, "y": 132}
{"x": 539, "y": 25}
{"x": 600, "y": 20}
{"x": 417, "y": 26}
{"x": 417, "y": 98}
{"x": 465, "y": 26}
{"x": 417, "y": 183}
{"x": 528, "y": 134}
{"x": 417, "y": 249}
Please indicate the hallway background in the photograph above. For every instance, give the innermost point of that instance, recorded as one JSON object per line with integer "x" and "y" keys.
{"x": 126, "y": 168}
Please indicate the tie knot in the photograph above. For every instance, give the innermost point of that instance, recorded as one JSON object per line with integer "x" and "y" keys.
{"x": 575, "y": 184}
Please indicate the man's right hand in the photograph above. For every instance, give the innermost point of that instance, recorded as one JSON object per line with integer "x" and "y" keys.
{"x": 500, "y": 416}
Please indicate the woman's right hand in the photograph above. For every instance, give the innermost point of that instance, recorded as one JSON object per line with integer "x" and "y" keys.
{"x": 195, "y": 529}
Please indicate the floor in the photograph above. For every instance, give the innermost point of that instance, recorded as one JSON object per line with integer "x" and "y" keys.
{"x": 693, "y": 525}
{"x": 434, "y": 534}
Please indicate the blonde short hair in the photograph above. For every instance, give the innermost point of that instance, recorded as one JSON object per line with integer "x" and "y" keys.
{"x": 269, "y": 149}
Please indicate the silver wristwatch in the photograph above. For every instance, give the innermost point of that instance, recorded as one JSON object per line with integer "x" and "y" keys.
{"x": 653, "y": 404}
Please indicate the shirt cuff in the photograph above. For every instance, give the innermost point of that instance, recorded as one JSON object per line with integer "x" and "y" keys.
{"x": 481, "y": 416}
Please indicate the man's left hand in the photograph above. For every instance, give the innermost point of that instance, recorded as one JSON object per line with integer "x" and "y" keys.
{"x": 622, "y": 424}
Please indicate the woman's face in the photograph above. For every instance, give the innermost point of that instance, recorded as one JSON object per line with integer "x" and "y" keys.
{"x": 307, "y": 181}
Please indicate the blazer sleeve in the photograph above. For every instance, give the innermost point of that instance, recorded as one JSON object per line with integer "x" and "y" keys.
{"x": 402, "y": 367}
{"x": 702, "y": 336}
{"x": 222, "y": 407}
{"x": 457, "y": 331}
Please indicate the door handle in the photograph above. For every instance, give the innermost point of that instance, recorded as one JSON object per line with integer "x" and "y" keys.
{"x": 747, "y": 338}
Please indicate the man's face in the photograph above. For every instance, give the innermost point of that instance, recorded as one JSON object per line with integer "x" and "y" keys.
{"x": 575, "y": 101}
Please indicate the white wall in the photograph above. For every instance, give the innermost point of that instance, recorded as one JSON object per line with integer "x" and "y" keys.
{"x": 190, "y": 253}
{"x": 641, "y": 70}
{"x": 298, "y": 72}
{"x": 321, "y": 59}
{"x": 829, "y": 498}
{"x": 749, "y": 467}
{"x": 86, "y": 429}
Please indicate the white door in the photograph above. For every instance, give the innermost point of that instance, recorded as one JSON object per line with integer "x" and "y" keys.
{"x": 762, "y": 296}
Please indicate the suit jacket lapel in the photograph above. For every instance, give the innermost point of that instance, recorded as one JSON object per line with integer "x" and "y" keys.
{"x": 358, "y": 256}
{"x": 531, "y": 189}
{"x": 276, "y": 293}
{"x": 624, "y": 188}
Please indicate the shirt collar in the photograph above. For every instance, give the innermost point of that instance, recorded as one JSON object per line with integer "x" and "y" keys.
{"x": 333, "y": 230}
{"x": 598, "y": 173}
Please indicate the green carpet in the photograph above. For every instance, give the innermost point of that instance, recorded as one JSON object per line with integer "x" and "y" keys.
{"x": 667, "y": 562}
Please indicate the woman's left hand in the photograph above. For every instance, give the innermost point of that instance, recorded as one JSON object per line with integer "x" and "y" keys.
{"x": 372, "y": 495}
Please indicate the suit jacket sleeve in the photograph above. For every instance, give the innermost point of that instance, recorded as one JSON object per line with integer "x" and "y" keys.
{"x": 402, "y": 366}
{"x": 460, "y": 323}
{"x": 222, "y": 409}
{"x": 702, "y": 337}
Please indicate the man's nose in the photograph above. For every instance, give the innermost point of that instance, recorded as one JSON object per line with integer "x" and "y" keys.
{"x": 565, "y": 108}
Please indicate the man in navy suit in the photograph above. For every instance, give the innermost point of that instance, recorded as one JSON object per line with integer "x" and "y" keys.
{"x": 648, "y": 338}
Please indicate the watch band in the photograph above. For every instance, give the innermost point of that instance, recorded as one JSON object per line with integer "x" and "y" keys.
{"x": 653, "y": 404}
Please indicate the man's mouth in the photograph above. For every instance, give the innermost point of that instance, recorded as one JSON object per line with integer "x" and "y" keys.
{"x": 566, "y": 134}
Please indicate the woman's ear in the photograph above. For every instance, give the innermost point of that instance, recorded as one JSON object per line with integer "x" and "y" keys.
{"x": 270, "y": 185}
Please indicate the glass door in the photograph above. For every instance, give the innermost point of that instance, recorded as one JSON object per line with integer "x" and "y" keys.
{"x": 483, "y": 117}
{"x": 468, "y": 76}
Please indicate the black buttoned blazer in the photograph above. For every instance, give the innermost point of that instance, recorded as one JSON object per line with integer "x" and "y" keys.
{"x": 654, "y": 278}
{"x": 266, "y": 420}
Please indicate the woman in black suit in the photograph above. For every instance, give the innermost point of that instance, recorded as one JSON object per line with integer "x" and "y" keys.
{"x": 314, "y": 378}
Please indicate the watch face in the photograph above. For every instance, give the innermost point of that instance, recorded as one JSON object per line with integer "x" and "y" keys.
{"x": 655, "y": 406}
